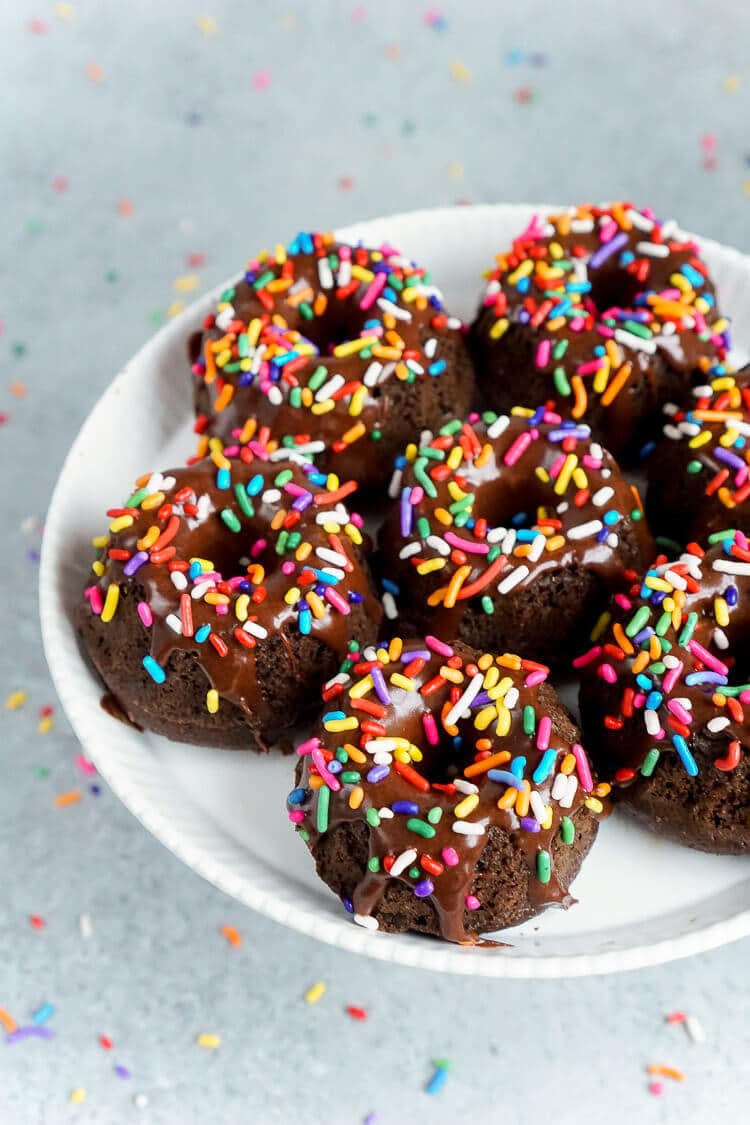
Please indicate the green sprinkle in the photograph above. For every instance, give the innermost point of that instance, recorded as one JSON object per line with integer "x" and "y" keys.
{"x": 567, "y": 831}
{"x": 41, "y": 771}
{"x": 262, "y": 281}
{"x": 306, "y": 310}
{"x": 560, "y": 380}
{"x": 662, "y": 625}
{"x": 283, "y": 478}
{"x": 324, "y": 800}
{"x": 243, "y": 500}
{"x": 376, "y": 435}
{"x": 420, "y": 827}
{"x": 560, "y": 349}
{"x": 373, "y": 864}
{"x": 636, "y": 515}
{"x": 694, "y": 467}
{"x": 350, "y": 777}
{"x": 318, "y": 378}
{"x": 414, "y": 873}
{"x": 230, "y": 519}
{"x": 452, "y": 427}
{"x": 342, "y": 755}
{"x": 281, "y": 541}
{"x": 419, "y": 472}
{"x": 637, "y": 329}
{"x": 720, "y": 536}
{"x": 688, "y": 630}
{"x": 423, "y": 527}
{"x": 295, "y": 398}
{"x": 649, "y": 762}
{"x": 487, "y": 604}
{"x": 435, "y": 815}
{"x": 136, "y": 499}
{"x": 529, "y": 719}
{"x": 228, "y": 294}
{"x": 372, "y": 818}
{"x": 543, "y": 866}
{"x": 637, "y": 621}
{"x": 303, "y": 834}
{"x": 294, "y": 540}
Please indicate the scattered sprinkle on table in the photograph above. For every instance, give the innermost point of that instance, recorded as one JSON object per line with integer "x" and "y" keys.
{"x": 42, "y": 1014}
{"x": 233, "y": 936}
{"x": 437, "y": 1081}
{"x": 94, "y": 72}
{"x": 7, "y": 1021}
{"x": 78, "y": 1095}
{"x": 62, "y": 800}
{"x": 460, "y": 71}
{"x": 16, "y": 700}
{"x": 85, "y": 926}
{"x": 658, "y": 1070}
{"x": 315, "y": 993}
{"x": 207, "y": 25}
{"x": 356, "y": 1013}
{"x": 209, "y": 1041}
{"x": 37, "y": 922}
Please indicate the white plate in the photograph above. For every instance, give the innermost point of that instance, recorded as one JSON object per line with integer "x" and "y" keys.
{"x": 642, "y": 901}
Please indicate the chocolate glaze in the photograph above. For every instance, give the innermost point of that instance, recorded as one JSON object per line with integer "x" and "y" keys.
{"x": 503, "y": 486}
{"x": 204, "y": 535}
{"x": 441, "y": 764}
{"x": 624, "y": 284}
{"x": 427, "y": 339}
{"x": 621, "y": 747}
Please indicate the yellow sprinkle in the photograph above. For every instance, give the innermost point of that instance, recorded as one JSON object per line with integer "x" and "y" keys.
{"x": 430, "y": 565}
{"x": 64, "y": 11}
{"x": 207, "y": 24}
{"x": 499, "y": 328}
{"x": 354, "y": 533}
{"x": 362, "y": 687}
{"x": 459, "y": 71}
{"x": 403, "y": 682}
{"x": 566, "y": 472}
{"x": 451, "y": 674}
{"x": 186, "y": 283}
{"x": 175, "y": 309}
{"x": 98, "y": 568}
{"x": 593, "y": 804}
{"x": 154, "y": 501}
{"x": 46, "y": 724}
{"x": 335, "y": 726}
{"x": 732, "y": 83}
{"x": 209, "y": 1041}
{"x": 15, "y": 700}
{"x": 315, "y": 993}
{"x": 350, "y": 347}
{"x": 354, "y": 433}
{"x": 241, "y": 607}
{"x": 100, "y": 541}
{"x": 455, "y": 169}
{"x": 78, "y": 1095}
{"x": 121, "y": 523}
{"x": 291, "y": 597}
{"x": 469, "y": 803}
{"x": 721, "y": 612}
{"x": 358, "y": 401}
{"x": 110, "y": 602}
{"x": 355, "y": 753}
{"x": 503, "y": 721}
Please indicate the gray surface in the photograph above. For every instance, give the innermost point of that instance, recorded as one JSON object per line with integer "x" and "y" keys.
{"x": 213, "y": 165}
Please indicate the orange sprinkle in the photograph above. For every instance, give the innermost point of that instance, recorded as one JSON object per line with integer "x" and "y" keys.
{"x": 71, "y": 798}
{"x": 666, "y": 1072}
{"x": 6, "y": 1019}
{"x": 233, "y": 936}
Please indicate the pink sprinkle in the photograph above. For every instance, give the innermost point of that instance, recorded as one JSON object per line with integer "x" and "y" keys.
{"x": 94, "y": 595}
{"x": 468, "y": 545}
{"x": 334, "y": 597}
{"x": 656, "y": 1088}
{"x": 440, "y": 647}
{"x": 258, "y": 548}
{"x": 623, "y": 601}
{"x": 578, "y": 324}
{"x": 545, "y": 729}
{"x": 582, "y": 764}
{"x": 346, "y": 183}
{"x": 287, "y": 567}
{"x": 450, "y": 857}
{"x": 296, "y": 816}
{"x": 519, "y": 446}
{"x": 373, "y": 291}
{"x": 535, "y": 678}
{"x": 607, "y": 672}
{"x": 356, "y": 519}
{"x": 556, "y": 466}
{"x": 308, "y": 746}
{"x": 745, "y": 696}
{"x": 430, "y": 728}
{"x": 707, "y": 658}
{"x": 587, "y": 657}
{"x": 84, "y": 765}
{"x": 332, "y": 782}
{"x": 472, "y": 902}
{"x": 680, "y": 712}
{"x": 542, "y": 353}
{"x": 589, "y": 368}
{"x": 417, "y": 495}
{"x": 359, "y": 13}
{"x": 261, "y": 80}
{"x": 608, "y": 231}
{"x": 222, "y": 610}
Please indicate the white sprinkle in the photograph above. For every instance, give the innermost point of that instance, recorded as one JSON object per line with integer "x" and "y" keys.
{"x": 372, "y": 374}
{"x": 603, "y": 496}
{"x": 559, "y": 787}
{"x": 465, "y": 786}
{"x": 225, "y": 318}
{"x": 329, "y": 387}
{"x": 537, "y": 547}
{"x": 468, "y": 828}
{"x": 582, "y": 226}
{"x": 695, "y": 1030}
{"x": 339, "y": 678}
{"x": 179, "y": 581}
{"x": 271, "y": 495}
{"x": 401, "y": 862}
{"x": 274, "y": 396}
{"x": 613, "y": 539}
{"x": 584, "y": 530}
{"x": 499, "y": 426}
{"x": 395, "y": 310}
{"x": 140, "y": 1101}
{"x": 174, "y": 623}
{"x": 513, "y": 579}
{"x": 677, "y": 580}
{"x": 652, "y": 721}
{"x": 566, "y": 802}
{"x": 466, "y": 700}
{"x": 85, "y": 926}
{"x": 409, "y": 550}
{"x": 430, "y": 347}
{"x": 537, "y": 805}
{"x": 452, "y": 321}
{"x": 394, "y": 488}
{"x": 382, "y": 758}
{"x": 672, "y": 432}
{"x": 652, "y": 249}
{"x": 720, "y": 639}
{"x": 438, "y": 544}
{"x": 325, "y": 273}
{"x": 511, "y": 698}
{"x": 386, "y": 814}
{"x": 344, "y": 275}
{"x": 389, "y": 606}
{"x": 637, "y": 343}
{"x": 639, "y": 220}
{"x": 255, "y": 630}
{"x": 366, "y": 921}
{"x": 200, "y": 589}
{"x": 718, "y": 724}
{"x": 727, "y": 567}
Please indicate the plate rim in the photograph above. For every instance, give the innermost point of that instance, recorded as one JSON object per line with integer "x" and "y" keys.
{"x": 58, "y": 641}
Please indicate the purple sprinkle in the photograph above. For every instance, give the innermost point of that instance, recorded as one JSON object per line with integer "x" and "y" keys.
{"x": 26, "y": 1033}
{"x": 415, "y": 654}
{"x": 134, "y": 564}
{"x": 607, "y": 250}
{"x": 406, "y": 513}
{"x": 529, "y": 824}
{"x": 423, "y": 888}
{"x": 122, "y": 1071}
{"x": 379, "y": 684}
{"x": 728, "y": 457}
{"x": 377, "y": 773}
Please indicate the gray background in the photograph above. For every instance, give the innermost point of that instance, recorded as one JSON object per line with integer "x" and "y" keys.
{"x": 626, "y": 100}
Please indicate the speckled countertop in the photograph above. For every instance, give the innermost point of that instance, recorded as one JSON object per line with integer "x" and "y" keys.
{"x": 147, "y": 149}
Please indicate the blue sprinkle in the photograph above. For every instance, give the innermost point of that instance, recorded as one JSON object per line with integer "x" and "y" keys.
{"x": 202, "y": 634}
{"x": 155, "y": 671}
{"x": 296, "y": 797}
{"x": 686, "y": 757}
{"x": 223, "y": 478}
{"x": 545, "y": 767}
{"x": 254, "y": 485}
{"x": 390, "y": 587}
{"x": 407, "y": 808}
{"x": 41, "y": 1015}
